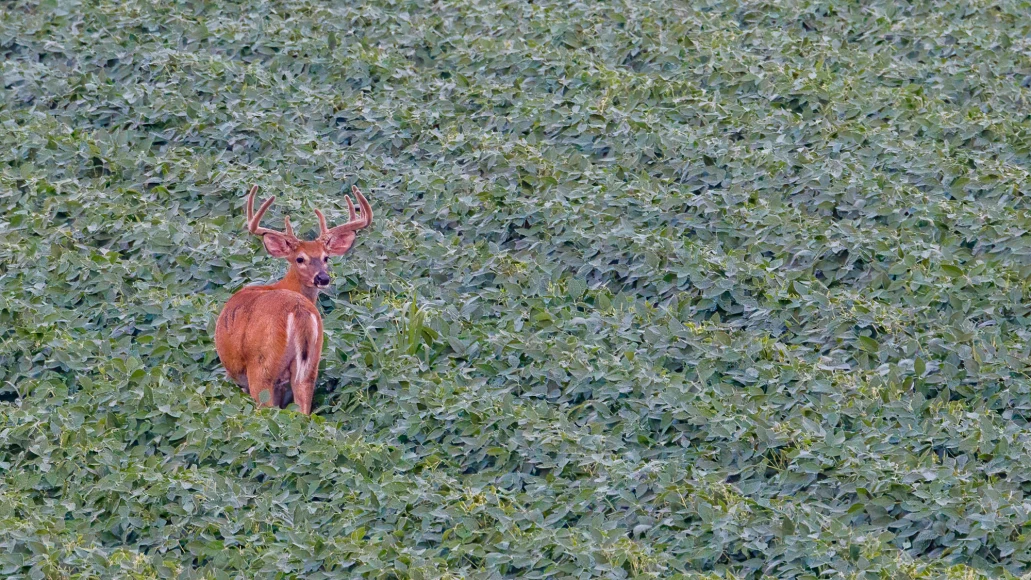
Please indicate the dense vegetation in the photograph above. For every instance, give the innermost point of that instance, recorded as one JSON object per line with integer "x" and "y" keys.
{"x": 655, "y": 287}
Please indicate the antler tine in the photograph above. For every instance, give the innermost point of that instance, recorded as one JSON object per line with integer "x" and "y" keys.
{"x": 250, "y": 203}
{"x": 351, "y": 216}
{"x": 364, "y": 203}
{"x": 254, "y": 219}
{"x": 322, "y": 223}
{"x": 354, "y": 221}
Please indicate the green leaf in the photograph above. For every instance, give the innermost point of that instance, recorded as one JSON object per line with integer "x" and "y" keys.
{"x": 576, "y": 288}
{"x": 868, "y": 344}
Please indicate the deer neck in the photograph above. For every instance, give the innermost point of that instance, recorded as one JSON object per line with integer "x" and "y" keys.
{"x": 293, "y": 282}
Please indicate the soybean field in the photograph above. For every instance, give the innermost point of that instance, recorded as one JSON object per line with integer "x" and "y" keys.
{"x": 654, "y": 288}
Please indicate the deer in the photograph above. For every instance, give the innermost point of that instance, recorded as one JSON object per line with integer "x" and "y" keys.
{"x": 269, "y": 338}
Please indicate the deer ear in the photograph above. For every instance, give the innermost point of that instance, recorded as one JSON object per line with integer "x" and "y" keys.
{"x": 277, "y": 245}
{"x": 339, "y": 244}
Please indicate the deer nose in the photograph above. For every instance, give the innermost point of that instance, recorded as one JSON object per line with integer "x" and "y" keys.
{"x": 322, "y": 279}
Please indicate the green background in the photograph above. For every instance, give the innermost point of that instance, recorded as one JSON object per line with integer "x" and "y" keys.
{"x": 654, "y": 288}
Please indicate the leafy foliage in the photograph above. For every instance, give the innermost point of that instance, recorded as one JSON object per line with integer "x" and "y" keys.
{"x": 655, "y": 288}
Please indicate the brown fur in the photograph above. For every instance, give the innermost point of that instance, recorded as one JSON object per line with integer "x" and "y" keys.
{"x": 269, "y": 338}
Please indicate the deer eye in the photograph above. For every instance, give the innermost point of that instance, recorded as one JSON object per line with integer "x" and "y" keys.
{"x": 300, "y": 260}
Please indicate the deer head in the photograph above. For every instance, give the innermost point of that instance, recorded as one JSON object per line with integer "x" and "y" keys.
{"x": 309, "y": 261}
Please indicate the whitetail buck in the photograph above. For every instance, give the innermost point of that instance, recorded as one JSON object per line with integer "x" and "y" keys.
{"x": 270, "y": 337}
